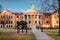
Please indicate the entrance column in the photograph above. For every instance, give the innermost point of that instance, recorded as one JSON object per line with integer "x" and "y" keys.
{"x": 34, "y": 21}
{"x": 31, "y": 21}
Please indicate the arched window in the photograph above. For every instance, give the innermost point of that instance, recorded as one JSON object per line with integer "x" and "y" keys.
{"x": 29, "y": 22}
{"x": 1, "y": 26}
{"x": 29, "y": 16}
{"x": 11, "y": 26}
{"x": 39, "y": 16}
{"x": 39, "y": 22}
{"x": 36, "y": 22}
{"x": 35, "y": 16}
{"x": 17, "y": 16}
{"x": 25, "y": 16}
{"x": 7, "y": 26}
{"x": 47, "y": 22}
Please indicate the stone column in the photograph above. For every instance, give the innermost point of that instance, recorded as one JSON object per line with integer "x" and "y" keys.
{"x": 34, "y": 21}
{"x": 31, "y": 18}
{"x": 38, "y": 19}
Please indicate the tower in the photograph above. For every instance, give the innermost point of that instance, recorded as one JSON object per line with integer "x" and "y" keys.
{"x": 33, "y": 5}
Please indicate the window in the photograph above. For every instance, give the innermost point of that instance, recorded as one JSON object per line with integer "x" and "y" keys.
{"x": 39, "y": 16}
{"x": 46, "y": 21}
{"x": 29, "y": 16}
{"x": 35, "y": 16}
{"x": 32, "y": 15}
{"x": 25, "y": 16}
{"x": 29, "y": 22}
{"x": 7, "y": 16}
{"x": 36, "y": 22}
{"x": 11, "y": 22}
{"x": 7, "y": 22}
{"x": 11, "y": 16}
{"x": 11, "y": 26}
{"x": 55, "y": 16}
{"x": 57, "y": 22}
{"x": 39, "y": 22}
{"x": 56, "y": 26}
{"x": 1, "y": 26}
{"x": 7, "y": 25}
{"x": 17, "y": 16}
{"x": 1, "y": 16}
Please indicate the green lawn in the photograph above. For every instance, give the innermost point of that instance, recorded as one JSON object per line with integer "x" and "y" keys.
{"x": 7, "y": 30}
{"x": 55, "y": 36}
{"x": 53, "y": 33}
{"x": 5, "y": 35}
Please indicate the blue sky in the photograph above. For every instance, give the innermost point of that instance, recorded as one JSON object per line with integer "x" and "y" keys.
{"x": 19, "y": 5}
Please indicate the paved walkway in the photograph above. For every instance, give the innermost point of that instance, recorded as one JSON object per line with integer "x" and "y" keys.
{"x": 40, "y": 35}
{"x": 15, "y": 31}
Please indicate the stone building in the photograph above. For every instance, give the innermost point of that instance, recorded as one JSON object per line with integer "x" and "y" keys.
{"x": 55, "y": 19}
{"x": 32, "y": 16}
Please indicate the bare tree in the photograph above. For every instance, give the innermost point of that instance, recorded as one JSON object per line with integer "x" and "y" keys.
{"x": 59, "y": 14}
{"x": 48, "y": 5}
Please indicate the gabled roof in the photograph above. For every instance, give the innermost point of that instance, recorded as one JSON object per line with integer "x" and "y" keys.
{"x": 10, "y": 12}
{"x": 7, "y": 11}
{"x": 32, "y": 10}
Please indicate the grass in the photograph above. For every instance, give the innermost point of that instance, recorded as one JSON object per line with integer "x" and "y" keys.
{"x": 8, "y": 35}
{"x": 7, "y": 30}
{"x": 55, "y": 36}
{"x": 53, "y": 33}
{"x": 15, "y": 36}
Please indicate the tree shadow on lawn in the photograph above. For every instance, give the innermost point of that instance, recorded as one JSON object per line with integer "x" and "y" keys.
{"x": 55, "y": 36}
{"x": 15, "y": 36}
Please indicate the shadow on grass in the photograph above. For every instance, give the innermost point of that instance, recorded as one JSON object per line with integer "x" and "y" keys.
{"x": 15, "y": 36}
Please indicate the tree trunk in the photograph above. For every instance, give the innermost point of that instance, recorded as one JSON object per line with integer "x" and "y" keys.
{"x": 22, "y": 28}
{"x": 26, "y": 28}
{"x": 59, "y": 15}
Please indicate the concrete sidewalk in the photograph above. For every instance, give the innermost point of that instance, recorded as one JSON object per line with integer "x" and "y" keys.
{"x": 15, "y": 31}
{"x": 40, "y": 35}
